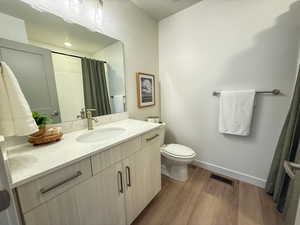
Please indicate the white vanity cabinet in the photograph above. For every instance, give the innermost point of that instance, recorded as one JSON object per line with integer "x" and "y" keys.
{"x": 143, "y": 175}
{"x": 150, "y": 144}
{"x": 107, "y": 197}
{"x": 109, "y": 188}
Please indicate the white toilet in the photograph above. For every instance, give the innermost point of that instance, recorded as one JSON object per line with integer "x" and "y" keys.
{"x": 175, "y": 159}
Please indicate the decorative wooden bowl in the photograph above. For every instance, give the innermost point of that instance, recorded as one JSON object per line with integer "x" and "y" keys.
{"x": 40, "y": 132}
{"x": 45, "y": 139}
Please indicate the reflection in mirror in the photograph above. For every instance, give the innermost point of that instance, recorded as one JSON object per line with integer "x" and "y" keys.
{"x": 63, "y": 69}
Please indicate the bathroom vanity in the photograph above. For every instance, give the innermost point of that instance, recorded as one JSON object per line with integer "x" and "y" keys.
{"x": 105, "y": 176}
{"x": 87, "y": 181}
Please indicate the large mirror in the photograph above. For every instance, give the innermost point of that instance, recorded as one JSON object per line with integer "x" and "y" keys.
{"x": 62, "y": 68}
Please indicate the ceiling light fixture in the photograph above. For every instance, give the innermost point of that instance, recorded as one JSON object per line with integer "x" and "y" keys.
{"x": 68, "y": 44}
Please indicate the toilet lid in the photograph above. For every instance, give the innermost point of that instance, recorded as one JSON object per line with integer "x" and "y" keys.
{"x": 179, "y": 151}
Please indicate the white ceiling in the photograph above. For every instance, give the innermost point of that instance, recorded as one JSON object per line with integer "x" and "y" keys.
{"x": 49, "y": 29}
{"x": 160, "y": 9}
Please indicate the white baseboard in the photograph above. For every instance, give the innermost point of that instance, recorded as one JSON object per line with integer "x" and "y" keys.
{"x": 231, "y": 173}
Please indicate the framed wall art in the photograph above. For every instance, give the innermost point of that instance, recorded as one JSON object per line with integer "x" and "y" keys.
{"x": 145, "y": 89}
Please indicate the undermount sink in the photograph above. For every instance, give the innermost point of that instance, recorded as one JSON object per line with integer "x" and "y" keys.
{"x": 100, "y": 134}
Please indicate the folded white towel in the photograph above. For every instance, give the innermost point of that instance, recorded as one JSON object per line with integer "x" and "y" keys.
{"x": 236, "y": 109}
{"x": 15, "y": 114}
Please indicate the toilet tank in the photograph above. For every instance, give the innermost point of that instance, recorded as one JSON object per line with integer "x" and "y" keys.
{"x": 162, "y": 134}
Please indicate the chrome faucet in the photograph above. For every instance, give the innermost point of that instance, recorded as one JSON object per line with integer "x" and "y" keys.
{"x": 90, "y": 118}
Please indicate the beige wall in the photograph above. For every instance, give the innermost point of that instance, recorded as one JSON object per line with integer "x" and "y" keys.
{"x": 139, "y": 33}
{"x": 228, "y": 45}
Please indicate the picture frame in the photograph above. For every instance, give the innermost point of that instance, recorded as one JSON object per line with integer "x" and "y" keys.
{"x": 145, "y": 89}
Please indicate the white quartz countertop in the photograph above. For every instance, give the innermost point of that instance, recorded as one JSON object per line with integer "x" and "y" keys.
{"x": 27, "y": 162}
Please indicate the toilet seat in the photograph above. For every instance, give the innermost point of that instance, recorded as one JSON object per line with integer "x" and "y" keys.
{"x": 178, "y": 151}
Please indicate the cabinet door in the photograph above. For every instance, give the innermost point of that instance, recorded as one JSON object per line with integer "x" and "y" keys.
{"x": 62, "y": 210}
{"x": 76, "y": 206}
{"x": 134, "y": 171}
{"x": 33, "y": 69}
{"x": 142, "y": 178}
{"x": 101, "y": 200}
{"x": 152, "y": 167}
{"x": 97, "y": 201}
{"x": 110, "y": 196}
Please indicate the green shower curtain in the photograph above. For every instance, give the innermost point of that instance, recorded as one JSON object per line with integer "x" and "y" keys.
{"x": 285, "y": 191}
{"x": 96, "y": 94}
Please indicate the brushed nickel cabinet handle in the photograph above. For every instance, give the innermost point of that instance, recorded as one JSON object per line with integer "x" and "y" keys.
{"x": 151, "y": 138}
{"x": 128, "y": 176}
{"x": 120, "y": 182}
{"x": 46, "y": 190}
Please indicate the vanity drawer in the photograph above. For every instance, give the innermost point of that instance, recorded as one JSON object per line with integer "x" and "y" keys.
{"x": 114, "y": 155}
{"x": 131, "y": 147}
{"x": 45, "y": 188}
{"x": 105, "y": 159}
{"x": 150, "y": 137}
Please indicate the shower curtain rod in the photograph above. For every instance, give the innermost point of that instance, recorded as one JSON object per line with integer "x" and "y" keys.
{"x": 75, "y": 56}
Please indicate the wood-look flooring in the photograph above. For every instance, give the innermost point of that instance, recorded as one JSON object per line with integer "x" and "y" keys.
{"x": 202, "y": 200}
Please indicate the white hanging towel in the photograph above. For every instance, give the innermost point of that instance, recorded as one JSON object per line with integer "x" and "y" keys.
{"x": 236, "y": 109}
{"x": 15, "y": 114}
{"x": 118, "y": 103}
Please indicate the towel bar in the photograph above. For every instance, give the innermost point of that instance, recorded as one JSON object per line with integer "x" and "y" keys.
{"x": 274, "y": 92}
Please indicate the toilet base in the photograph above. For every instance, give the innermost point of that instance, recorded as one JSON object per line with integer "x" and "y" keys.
{"x": 176, "y": 171}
